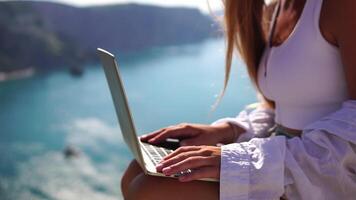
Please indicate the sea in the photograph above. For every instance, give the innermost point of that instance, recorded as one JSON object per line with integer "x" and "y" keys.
{"x": 42, "y": 116}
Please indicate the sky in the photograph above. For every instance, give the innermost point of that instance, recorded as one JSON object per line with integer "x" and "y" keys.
{"x": 200, "y": 4}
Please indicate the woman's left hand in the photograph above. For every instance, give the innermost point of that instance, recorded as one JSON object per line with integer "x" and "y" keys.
{"x": 204, "y": 161}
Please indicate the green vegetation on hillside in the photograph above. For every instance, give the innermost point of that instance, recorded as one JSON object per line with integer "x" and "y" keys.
{"x": 49, "y": 35}
{"x": 26, "y": 41}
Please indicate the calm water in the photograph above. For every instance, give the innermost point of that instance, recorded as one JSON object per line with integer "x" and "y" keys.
{"x": 42, "y": 115}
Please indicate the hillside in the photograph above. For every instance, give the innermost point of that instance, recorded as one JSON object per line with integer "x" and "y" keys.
{"x": 48, "y": 35}
{"x": 26, "y": 41}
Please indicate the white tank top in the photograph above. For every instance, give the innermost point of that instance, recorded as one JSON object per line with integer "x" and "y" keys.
{"x": 304, "y": 75}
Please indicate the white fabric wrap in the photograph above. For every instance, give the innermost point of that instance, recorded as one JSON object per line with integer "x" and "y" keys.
{"x": 319, "y": 165}
{"x": 255, "y": 119}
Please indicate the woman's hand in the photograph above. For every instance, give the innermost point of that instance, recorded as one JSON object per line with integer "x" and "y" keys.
{"x": 203, "y": 161}
{"x": 194, "y": 134}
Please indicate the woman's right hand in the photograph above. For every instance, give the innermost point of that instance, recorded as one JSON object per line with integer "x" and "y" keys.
{"x": 195, "y": 134}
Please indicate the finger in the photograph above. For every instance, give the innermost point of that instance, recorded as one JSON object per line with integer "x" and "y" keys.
{"x": 181, "y": 150}
{"x": 189, "y": 163}
{"x": 145, "y": 138}
{"x": 173, "y": 133}
{"x": 176, "y": 159}
{"x": 204, "y": 172}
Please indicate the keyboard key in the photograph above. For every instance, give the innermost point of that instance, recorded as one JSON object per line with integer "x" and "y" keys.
{"x": 155, "y": 153}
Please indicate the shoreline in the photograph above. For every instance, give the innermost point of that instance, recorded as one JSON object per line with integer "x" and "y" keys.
{"x": 16, "y": 74}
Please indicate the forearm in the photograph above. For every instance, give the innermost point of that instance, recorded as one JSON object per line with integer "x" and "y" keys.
{"x": 253, "y": 121}
{"x": 229, "y": 132}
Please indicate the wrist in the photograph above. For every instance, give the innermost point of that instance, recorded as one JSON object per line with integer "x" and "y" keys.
{"x": 235, "y": 133}
{"x": 228, "y": 132}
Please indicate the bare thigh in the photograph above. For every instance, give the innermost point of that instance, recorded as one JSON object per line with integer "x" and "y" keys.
{"x": 151, "y": 187}
{"x": 131, "y": 172}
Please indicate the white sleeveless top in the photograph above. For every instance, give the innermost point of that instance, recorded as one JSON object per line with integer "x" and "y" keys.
{"x": 304, "y": 75}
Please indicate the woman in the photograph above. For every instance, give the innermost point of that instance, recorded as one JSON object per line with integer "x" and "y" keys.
{"x": 301, "y": 56}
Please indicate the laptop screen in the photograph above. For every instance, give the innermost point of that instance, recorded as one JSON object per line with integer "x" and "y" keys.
{"x": 120, "y": 102}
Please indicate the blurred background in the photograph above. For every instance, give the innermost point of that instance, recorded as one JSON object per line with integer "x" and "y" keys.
{"x": 59, "y": 136}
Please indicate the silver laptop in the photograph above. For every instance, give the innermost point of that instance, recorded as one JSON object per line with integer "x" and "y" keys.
{"x": 147, "y": 155}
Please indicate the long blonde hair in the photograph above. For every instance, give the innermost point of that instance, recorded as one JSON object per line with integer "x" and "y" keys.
{"x": 245, "y": 33}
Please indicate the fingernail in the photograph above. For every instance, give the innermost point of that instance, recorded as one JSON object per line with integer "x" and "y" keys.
{"x": 159, "y": 166}
{"x": 166, "y": 170}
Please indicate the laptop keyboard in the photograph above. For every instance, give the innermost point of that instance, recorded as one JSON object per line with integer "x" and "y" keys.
{"x": 155, "y": 153}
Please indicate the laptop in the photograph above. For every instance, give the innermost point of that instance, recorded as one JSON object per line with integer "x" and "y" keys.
{"x": 147, "y": 155}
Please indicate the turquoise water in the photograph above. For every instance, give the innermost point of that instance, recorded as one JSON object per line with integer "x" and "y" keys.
{"x": 42, "y": 115}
